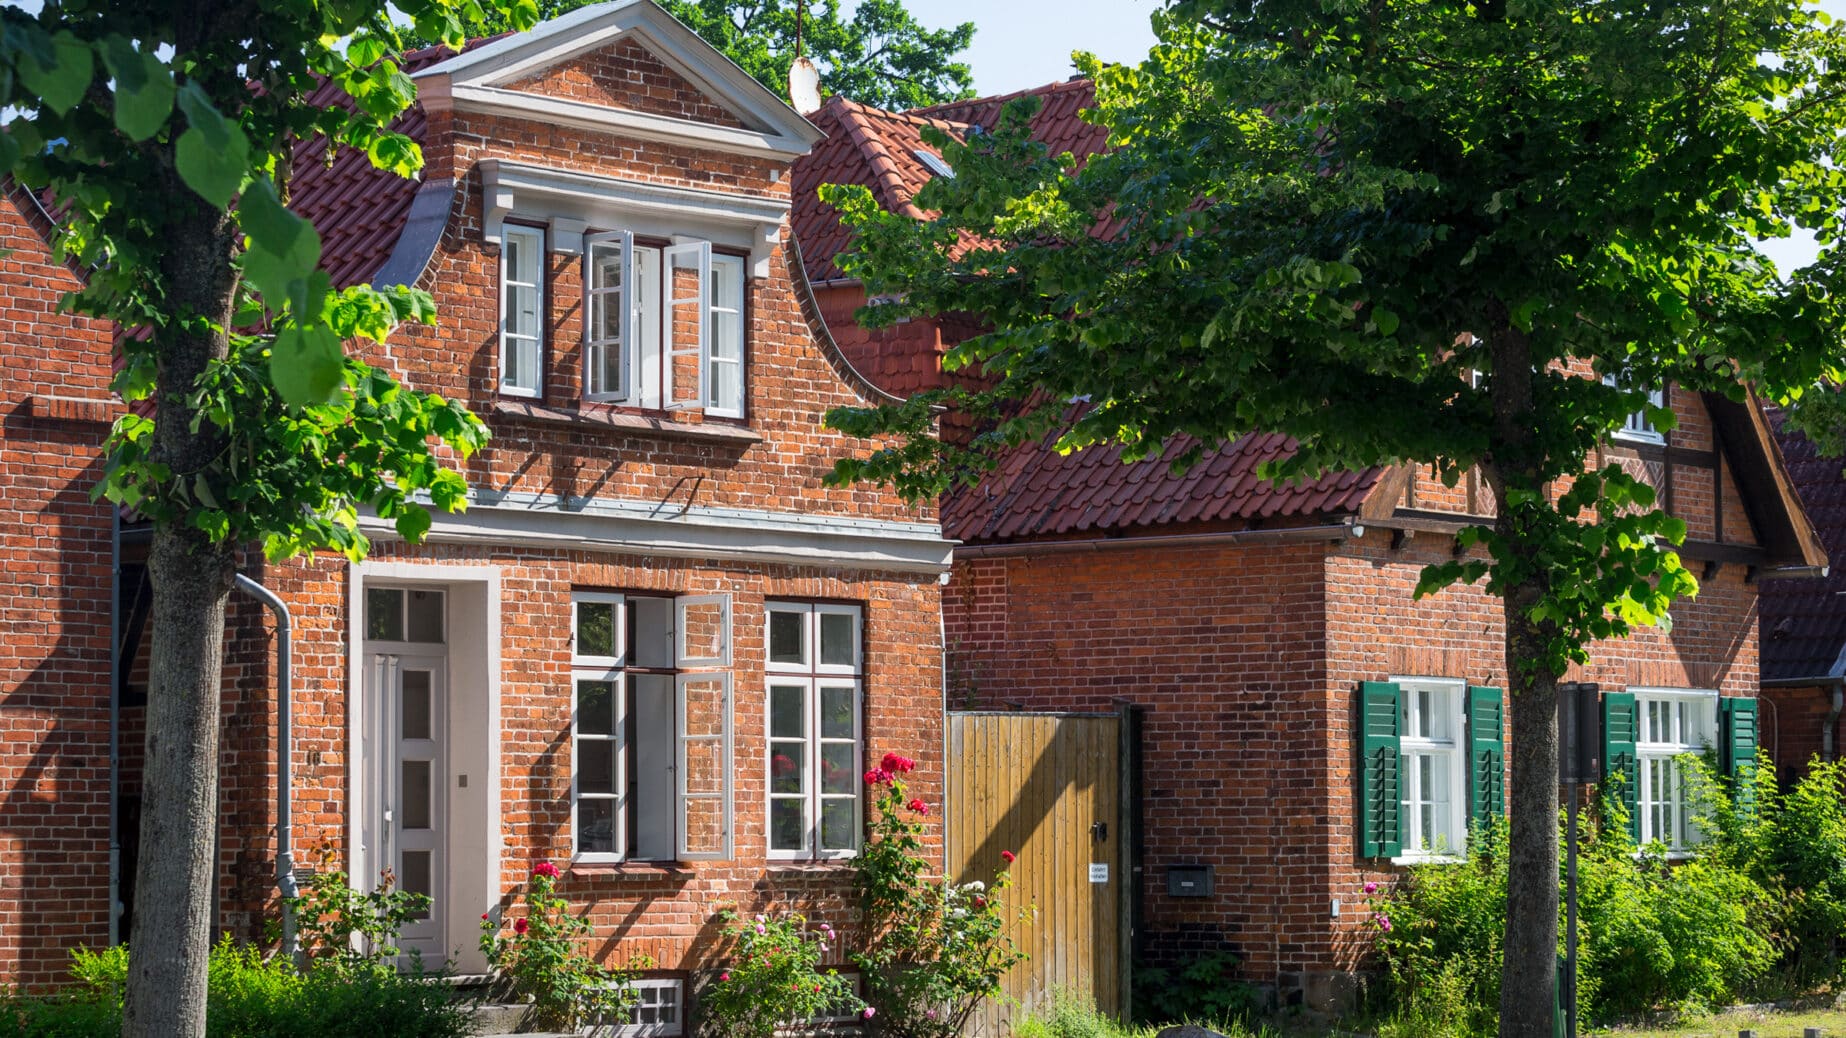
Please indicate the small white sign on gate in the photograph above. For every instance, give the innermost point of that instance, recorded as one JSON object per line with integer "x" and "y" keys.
{"x": 1099, "y": 872}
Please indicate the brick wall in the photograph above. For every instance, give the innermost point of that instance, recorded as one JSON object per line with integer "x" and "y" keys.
{"x": 1793, "y": 720}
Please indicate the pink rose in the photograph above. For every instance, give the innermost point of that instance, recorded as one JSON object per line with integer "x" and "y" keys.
{"x": 724, "y": 976}
{"x": 545, "y": 868}
{"x": 869, "y": 1012}
{"x": 1371, "y": 888}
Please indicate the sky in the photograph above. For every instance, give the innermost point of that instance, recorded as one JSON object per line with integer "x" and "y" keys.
{"x": 1027, "y": 43}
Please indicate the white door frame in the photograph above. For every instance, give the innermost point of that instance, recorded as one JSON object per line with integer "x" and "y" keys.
{"x": 472, "y": 780}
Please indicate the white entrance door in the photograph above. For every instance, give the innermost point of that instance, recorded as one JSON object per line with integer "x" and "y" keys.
{"x": 413, "y": 808}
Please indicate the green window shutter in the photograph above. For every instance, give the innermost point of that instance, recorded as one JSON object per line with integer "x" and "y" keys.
{"x": 1737, "y": 748}
{"x": 1621, "y": 770}
{"x": 1381, "y": 831}
{"x": 1486, "y": 755}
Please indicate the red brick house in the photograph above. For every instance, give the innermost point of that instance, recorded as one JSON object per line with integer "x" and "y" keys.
{"x": 1308, "y": 727}
{"x": 655, "y": 649}
{"x": 1804, "y": 626}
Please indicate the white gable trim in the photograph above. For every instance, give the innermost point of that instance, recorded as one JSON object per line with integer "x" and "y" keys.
{"x": 476, "y": 81}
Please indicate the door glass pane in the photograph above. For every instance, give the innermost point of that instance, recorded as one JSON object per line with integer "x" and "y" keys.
{"x": 596, "y": 707}
{"x": 788, "y": 712}
{"x": 836, "y": 768}
{"x": 836, "y": 713}
{"x": 417, "y": 878}
{"x": 596, "y": 766}
{"x": 788, "y": 767}
{"x": 787, "y": 827}
{"x": 416, "y": 793}
{"x": 837, "y": 832}
{"x": 596, "y": 826}
{"x": 596, "y": 629}
{"x": 785, "y": 642}
{"x": 415, "y": 723}
{"x": 836, "y": 640}
{"x": 425, "y": 616}
{"x": 384, "y": 614}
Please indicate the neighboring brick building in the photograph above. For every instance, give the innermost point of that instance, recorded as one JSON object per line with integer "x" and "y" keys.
{"x": 1804, "y": 626}
{"x": 655, "y": 649}
{"x": 1307, "y": 724}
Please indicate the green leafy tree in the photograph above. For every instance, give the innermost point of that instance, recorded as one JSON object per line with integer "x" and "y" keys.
{"x": 881, "y": 56}
{"x": 162, "y": 134}
{"x": 1401, "y": 231}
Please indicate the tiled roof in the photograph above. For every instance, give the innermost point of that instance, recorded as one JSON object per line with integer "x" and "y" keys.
{"x": 1804, "y": 621}
{"x": 1037, "y": 492}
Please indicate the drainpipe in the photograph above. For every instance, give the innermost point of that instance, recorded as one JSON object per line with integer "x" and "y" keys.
{"x": 285, "y": 855}
{"x": 1828, "y": 751}
{"x": 115, "y": 725}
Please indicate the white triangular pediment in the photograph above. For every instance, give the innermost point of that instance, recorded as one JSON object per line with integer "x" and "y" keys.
{"x": 488, "y": 78}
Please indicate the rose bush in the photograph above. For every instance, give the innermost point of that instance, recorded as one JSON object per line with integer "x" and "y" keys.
{"x": 772, "y": 978}
{"x": 539, "y": 955}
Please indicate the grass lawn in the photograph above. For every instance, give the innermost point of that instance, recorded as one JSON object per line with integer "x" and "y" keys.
{"x": 1832, "y": 1024}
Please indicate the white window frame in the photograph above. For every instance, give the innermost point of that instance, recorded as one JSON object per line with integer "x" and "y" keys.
{"x": 1449, "y": 754}
{"x": 536, "y": 238}
{"x": 585, "y": 667}
{"x": 726, "y": 267}
{"x": 1681, "y": 703}
{"x": 811, "y": 677}
{"x": 1639, "y": 428}
{"x": 636, "y": 1029}
{"x": 622, "y": 296}
{"x": 699, "y": 347}
{"x": 725, "y": 793}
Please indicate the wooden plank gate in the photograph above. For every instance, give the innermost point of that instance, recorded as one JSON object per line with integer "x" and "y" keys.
{"x": 1055, "y": 790}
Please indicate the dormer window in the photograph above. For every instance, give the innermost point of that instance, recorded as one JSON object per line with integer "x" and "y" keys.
{"x": 664, "y": 325}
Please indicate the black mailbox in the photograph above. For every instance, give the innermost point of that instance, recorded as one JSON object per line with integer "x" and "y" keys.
{"x": 1188, "y": 880}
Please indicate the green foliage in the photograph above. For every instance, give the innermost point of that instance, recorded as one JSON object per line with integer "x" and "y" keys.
{"x": 771, "y": 979}
{"x": 540, "y": 953}
{"x": 349, "y": 930}
{"x": 933, "y": 949}
{"x": 1204, "y": 988}
{"x": 880, "y": 56}
{"x": 296, "y": 475}
{"x": 1070, "y": 1016}
{"x": 249, "y": 997}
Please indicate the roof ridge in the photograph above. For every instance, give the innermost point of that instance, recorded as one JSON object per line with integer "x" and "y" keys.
{"x": 883, "y": 165}
{"x": 1073, "y": 83}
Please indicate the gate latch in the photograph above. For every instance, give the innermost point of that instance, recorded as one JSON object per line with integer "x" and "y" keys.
{"x": 1099, "y": 831}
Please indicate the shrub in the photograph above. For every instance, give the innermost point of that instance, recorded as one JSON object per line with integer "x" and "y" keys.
{"x": 1799, "y": 851}
{"x": 773, "y": 979}
{"x": 249, "y": 996}
{"x": 934, "y": 949}
{"x": 538, "y": 953}
{"x": 352, "y": 930}
{"x": 1203, "y": 988}
{"x": 1440, "y": 937}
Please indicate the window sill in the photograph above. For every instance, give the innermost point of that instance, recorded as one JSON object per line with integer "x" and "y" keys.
{"x": 628, "y": 868}
{"x": 1430, "y": 859}
{"x": 1635, "y": 439}
{"x": 621, "y": 421}
{"x": 823, "y": 867}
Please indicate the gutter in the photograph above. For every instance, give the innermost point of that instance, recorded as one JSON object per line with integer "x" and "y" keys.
{"x": 1279, "y": 535}
{"x": 115, "y": 726}
{"x": 285, "y": 856}
{"x": 1828, "y": 751}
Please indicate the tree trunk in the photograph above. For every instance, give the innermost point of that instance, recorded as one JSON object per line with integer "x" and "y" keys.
{"x": 1529, "y": 978}
{"x": 191, "y": 576}
{"x": 175, "y": 903}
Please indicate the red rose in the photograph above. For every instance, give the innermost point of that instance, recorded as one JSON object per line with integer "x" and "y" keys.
{"x": 1009, "y": 857}
{"x": 919, "y": 806}
{"x": 521, "y": 926}
{"x": 483, "y": 915}
{"x": 782, "y": 764}
{"x": 979, "y": 901}
{"x": 896, "y": 764}
{"x": 877, "y": 777}
{"x": 545, "y": 868}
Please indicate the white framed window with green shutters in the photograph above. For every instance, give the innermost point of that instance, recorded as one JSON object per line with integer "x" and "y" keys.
{"x": 814, "y": 677}
{"x": 522, "y": 311}
{"x": 665, "y": 326}
{"x": 651, "y": 727}
{"x": 1431, "y": 763}
{"x": 1672, "y": 722}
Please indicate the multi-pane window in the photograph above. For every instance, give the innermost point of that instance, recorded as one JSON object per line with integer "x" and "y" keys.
{"x": 1639, "y": 426}
{"x": 664, "y": 325}
{"x": 815, "y": 707}
{"x": 1672, "y": 723}
{"x": 658, "y": 1013}
{"x": 522, "y": 308}
{"x": 651, "y": 727}
{"x": 1430, "y": 727}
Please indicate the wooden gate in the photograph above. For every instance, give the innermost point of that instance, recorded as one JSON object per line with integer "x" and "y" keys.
{"x": 1050, "y": 788}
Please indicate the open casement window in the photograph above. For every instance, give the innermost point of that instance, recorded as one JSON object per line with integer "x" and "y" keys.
{"x": 686, "y": 284}
{"x": 724, "y": 355}
{"x": 1432, "y": 761}
{"x": 608, "y": 314}
{"x": 522, "y": 311}
{"x": 651, "y": 739}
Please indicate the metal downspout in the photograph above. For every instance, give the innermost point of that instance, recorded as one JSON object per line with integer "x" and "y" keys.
{"x": 115, "y": 725}
{"x": 1828, "y": 750}
{"x": 285, "y": 662}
